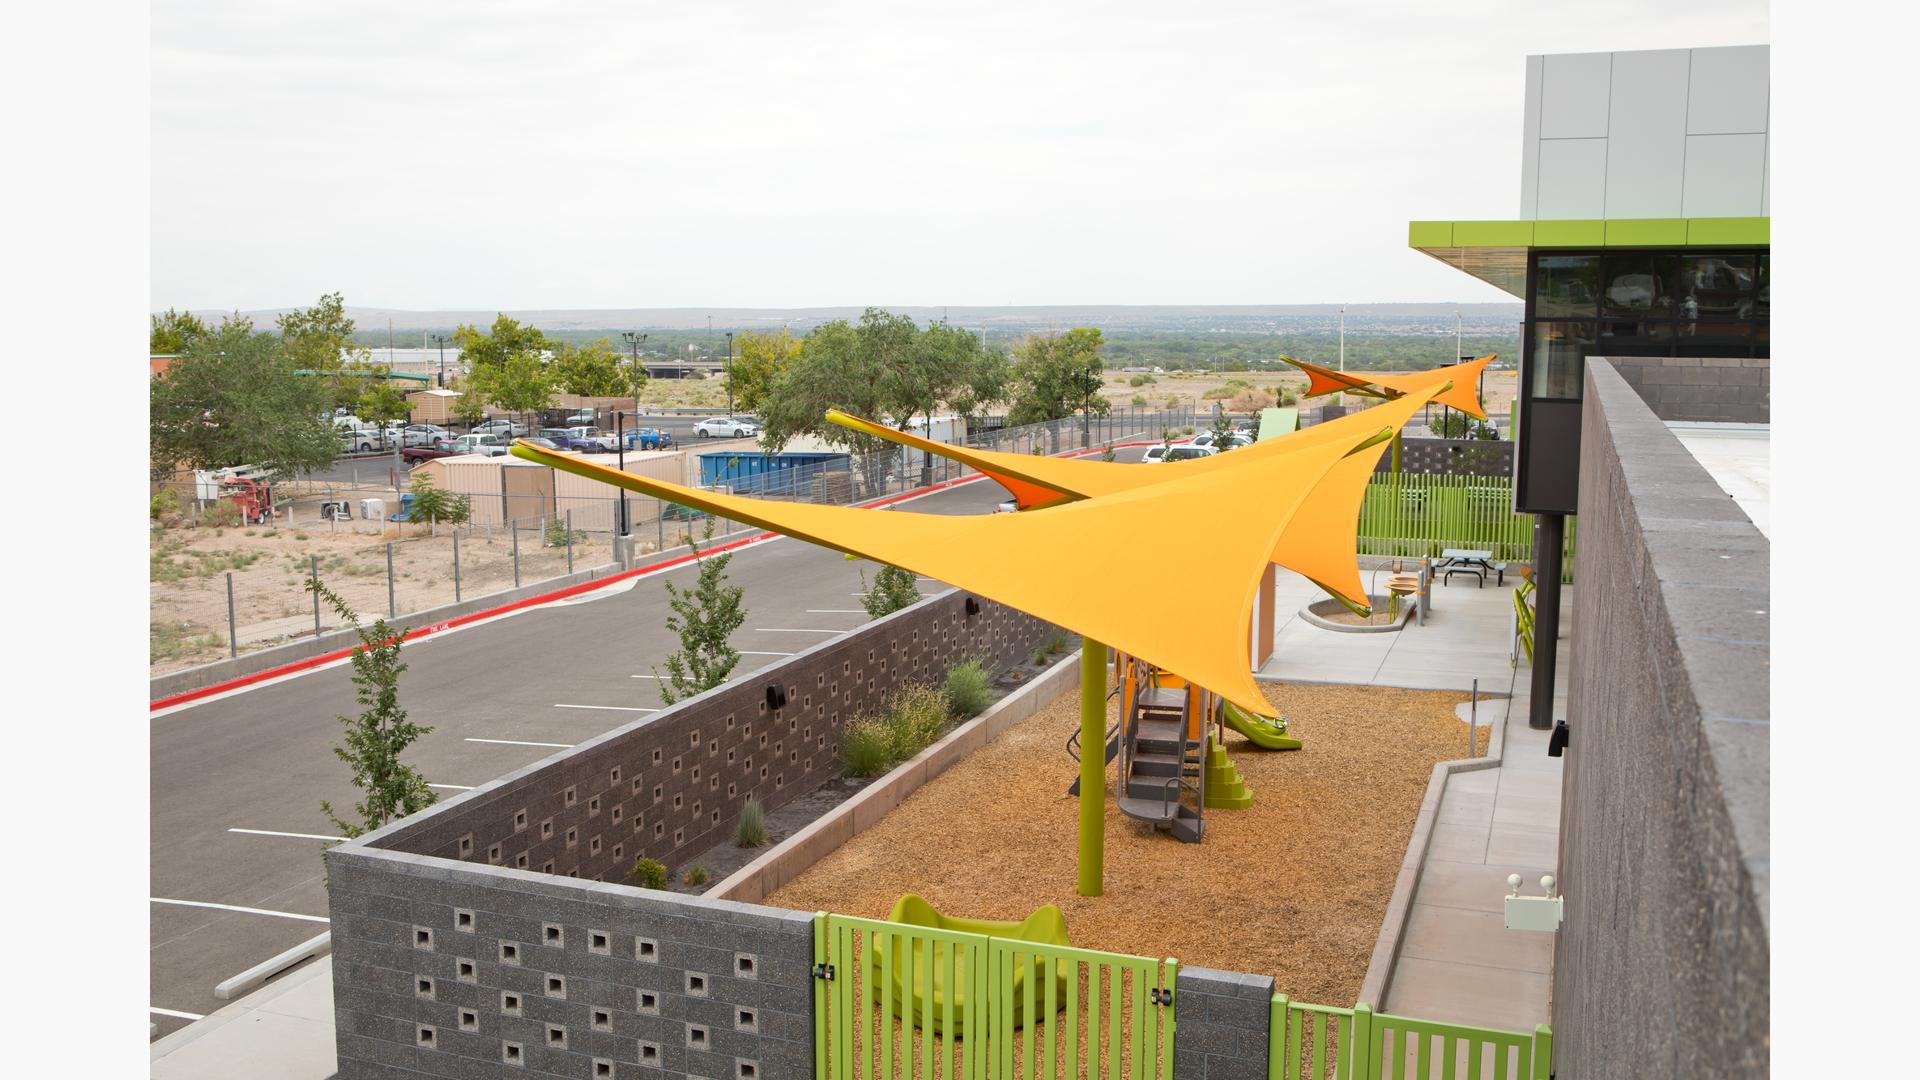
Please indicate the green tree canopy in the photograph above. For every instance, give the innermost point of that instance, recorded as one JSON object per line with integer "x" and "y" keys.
{"x": 523, "y": 385}
{"x": 1053, "y": 377}
{"x": 886, "y": 368}
{"x": 232, "y": 398}
{"x": 382, "y": 401}
{"x": 762, "y": 359}
{"x": 507, "y": 339}
{"x": 592, "y": 370}
{"x": 171, "y": 330}
{"x": 320, "y": 338}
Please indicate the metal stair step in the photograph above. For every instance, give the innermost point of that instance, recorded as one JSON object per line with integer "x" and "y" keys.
{"x": 1148, "y": 809}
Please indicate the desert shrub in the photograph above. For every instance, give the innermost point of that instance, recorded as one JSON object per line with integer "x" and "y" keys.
{"x": 866, "y": 747}
{"x": 221, "y": 515}
{"x": 967, "y": 689}
{"x": 164, "y": 508}
{"x": 1140, "y": 401}
{"x": 697, "y": 875}
{"x": 892, "y": 589}
{"x": 648, "y": 873}
{"x": 751, "y": 830}
{"x": 916, "y": 714}
{"x": 1141, "y": 380}
{"x": 556, "y": 533}
{"x": 1173, "y": 401}
{"x": 1056, "y": 642}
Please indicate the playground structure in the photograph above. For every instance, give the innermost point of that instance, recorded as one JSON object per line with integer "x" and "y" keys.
{"x": 1291, "y": 500}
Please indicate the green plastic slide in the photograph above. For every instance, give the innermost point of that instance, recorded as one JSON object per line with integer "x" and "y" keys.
{"x": 1265, "y": 733}
{"x": 907, "y": 970}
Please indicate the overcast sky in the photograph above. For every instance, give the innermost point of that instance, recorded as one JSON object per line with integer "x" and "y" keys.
{"x": 506, "y": 154}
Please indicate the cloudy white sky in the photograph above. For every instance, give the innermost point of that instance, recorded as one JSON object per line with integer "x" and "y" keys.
{"x": 498, "y": 153}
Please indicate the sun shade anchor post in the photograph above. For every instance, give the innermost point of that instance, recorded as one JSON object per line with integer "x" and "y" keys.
{"x": 1093, "y": 765}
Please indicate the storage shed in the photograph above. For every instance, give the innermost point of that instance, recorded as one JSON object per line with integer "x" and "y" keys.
{"x": 507, "y": 488}
{"x": 431, "y": 406}
{"x": 753, "y": 473}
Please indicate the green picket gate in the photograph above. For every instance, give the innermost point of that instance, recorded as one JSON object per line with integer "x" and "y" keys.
{"x": 899, "y": 1002}
{"x": 1315, "y": 1042}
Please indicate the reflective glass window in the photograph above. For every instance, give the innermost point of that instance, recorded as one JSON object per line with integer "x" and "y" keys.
{"x": 1714, "y": 339}
{"x": 1642, "y": 338}
{"x": 1760, "y": 293}
{"x": 1716, "y": 287}
{"x": 1559, "y": 352}
{"x": 1566, "y": 285}
{"x": 1637, "y": 284}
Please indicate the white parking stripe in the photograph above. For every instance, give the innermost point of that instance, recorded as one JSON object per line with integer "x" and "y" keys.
{"x": 516, "y": 742}
{"x": 610, "y": 708}
{"x": 242, "y": 910}
{"x": 175, "y": 1013}
{"x": 295, "y": 835}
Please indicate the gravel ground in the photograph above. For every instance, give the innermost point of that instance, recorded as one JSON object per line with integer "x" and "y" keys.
{"x": 1294, "y": 887}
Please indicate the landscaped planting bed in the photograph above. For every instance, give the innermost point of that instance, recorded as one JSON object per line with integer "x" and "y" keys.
{"x": 1294, "y": 886}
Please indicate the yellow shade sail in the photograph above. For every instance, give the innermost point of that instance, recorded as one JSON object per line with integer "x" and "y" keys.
{"x": 1464, "y": 394}
{"x": 1166, "y": 572}
{"x": 1319, "y": 545}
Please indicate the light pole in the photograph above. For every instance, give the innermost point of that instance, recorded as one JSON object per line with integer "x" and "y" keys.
{"x": 620, "y": 444}
{"x": 634, "y": 341}
{"x": 442, "y": 342}
{"x": 1343, "y": 337}
{"x": 729, "y": 374}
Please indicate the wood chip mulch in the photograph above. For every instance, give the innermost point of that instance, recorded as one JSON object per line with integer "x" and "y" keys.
{"x": 1294, "y": 886}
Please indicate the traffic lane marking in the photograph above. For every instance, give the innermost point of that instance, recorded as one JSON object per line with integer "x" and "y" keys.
{"x": 238, "y": 908}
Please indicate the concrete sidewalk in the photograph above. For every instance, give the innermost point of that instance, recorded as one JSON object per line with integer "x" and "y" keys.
{"x": 282, "y": 1031}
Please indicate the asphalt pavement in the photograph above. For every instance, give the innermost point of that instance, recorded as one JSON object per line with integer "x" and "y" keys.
{"x": 237, "y": 780}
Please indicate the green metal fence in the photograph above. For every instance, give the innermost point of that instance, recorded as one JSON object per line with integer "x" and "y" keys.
{"x": 1416, "y": 515}
{"x": 1315, "y": 1042}
{"x": 900, "y": 1002}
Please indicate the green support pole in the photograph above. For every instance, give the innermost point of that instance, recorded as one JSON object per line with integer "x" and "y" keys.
{"x": 1093, "y": 765}
{"x": 1396, "y": 452}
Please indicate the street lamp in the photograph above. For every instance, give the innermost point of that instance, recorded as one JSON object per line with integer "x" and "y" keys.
{"x": 442, "y": 342}
{"x": 620, "y": 445}
{"x": 730, "y": 373}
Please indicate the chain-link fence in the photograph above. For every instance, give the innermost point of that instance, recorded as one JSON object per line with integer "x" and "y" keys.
{"x": 220, "y": 586}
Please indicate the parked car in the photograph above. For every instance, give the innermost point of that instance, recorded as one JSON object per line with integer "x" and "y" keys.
{"x": 573, "y": 438}
{"x": 506, "y": 429}
{"x": 1007, "y": 506}
{"x": 594, "y": 441}
{"x": 414, "y": 455}
{"x": 424, "y": 435}
{"x": 1177, "y": 452}
{"x": 584, "y": 416}
{"x": 542, "y": 443}
{"x": 1205, "y": 438}
{"x": 727, "y": 427}
{"x": 359, "y": 438}
{"x": 647, "y": 438}
{"x": 480, "y": 443}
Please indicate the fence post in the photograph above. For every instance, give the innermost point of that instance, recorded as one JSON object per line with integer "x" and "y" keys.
{"x": 1542, "y": 1052}
{"x": 569, "y": 541}
{"x": 1473, "y": 720}
{"x": 456, "y": 566}
{"x": 659, "y": 526}
{"x": 514, "y": 527}
{"x": 1276, "y": 1037}
{"x": 233, "y": 633}
{"x": 313, "y": 569}
{"x": 1362, "y": 1037}
{"x": 391, "y": 612}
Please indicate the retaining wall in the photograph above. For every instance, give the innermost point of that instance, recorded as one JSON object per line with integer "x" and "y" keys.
{"x": 1661, "y": 968}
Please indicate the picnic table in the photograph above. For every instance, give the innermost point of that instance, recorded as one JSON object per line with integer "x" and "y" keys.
{"x": 1470, "y": 561}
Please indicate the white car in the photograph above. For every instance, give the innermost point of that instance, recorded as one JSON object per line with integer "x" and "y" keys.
{"x": 357, "y": 437}
{"x": 1205, "y": 438}
{"x": 1177, "y": 452}
{"x": 504, "y": 428}
{"x": 480, "y": 443}
{"x": 726, "y": 427}
{"x": 431, "y": 435}
{"x": 599, "y": 441}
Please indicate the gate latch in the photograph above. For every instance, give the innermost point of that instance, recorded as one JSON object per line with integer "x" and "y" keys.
{"x": 823, "y": 972}
{"x": 1161, "y": 995}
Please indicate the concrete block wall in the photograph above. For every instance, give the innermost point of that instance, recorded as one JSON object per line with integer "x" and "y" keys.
{"x": 671, "y": 785}
{"x": 1721, "y": 390}
{"x": 1221, "y": 1024}
{"x": 1661, "y": 968}
{"x": 1455, "y": 457}
{"x": 447, "y": 970}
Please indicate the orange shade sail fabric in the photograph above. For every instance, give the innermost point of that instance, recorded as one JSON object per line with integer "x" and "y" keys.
{"x": 1320, "y": 543}
{"x": 1201, "y": 541}
{"x": 1464, "y": 395}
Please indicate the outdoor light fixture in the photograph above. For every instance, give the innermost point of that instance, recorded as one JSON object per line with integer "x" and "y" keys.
{"x": 1544, "y": 912}
{"x": 1557, "y": 742}
{"x": 973, "y": 606}
{"x": 776, "y": 696}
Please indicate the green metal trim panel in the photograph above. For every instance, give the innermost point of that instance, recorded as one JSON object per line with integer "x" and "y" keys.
{"x": 1647, "y": 232}
{"x": 1430, "y": 234}
{"x": 1751, "y": 230}
{"x": 1479, "y": 234}
{"x": 1569, "y": 233}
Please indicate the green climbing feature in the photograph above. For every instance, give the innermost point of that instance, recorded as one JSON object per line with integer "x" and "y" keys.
{"x": 1225, "y": 790}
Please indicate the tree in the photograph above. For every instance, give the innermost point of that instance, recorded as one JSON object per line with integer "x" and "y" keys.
{"x": 704, "y": 616}
{"x": 507, "y": 340}
{"x": 592, "y": 370}
{"x": 378, "y": 736}
{"x": 172, "y": 330}
{"x": 523, "y": 385}
{"x": 762, "y": 359}
{"x": 432, "y": 504}
{"x": 1055, "y": 377}
{"x": 320, "y": 338}
{"x": 382, "y": 401}
{"x": 1222, "y": 429}
{"x": 892, "y": 589}
{"x": 232, "y": 398}
{"x": 471, "y": 405}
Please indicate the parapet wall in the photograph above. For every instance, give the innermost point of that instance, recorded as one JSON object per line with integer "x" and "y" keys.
{"x": 1709, "y": 389}
{"x": 1661, "y": 968}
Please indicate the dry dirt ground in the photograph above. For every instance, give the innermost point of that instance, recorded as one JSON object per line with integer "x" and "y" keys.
{"x": 1294, "y": 886}
{"x": 188, "y": 587}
